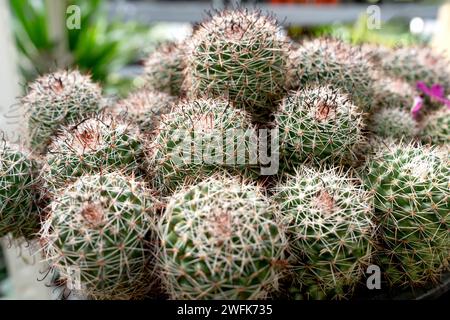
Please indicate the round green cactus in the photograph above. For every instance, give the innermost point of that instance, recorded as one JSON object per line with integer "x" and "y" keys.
{"x": 319, "y": 124}
{"x": 326, "y": 61}
{"x": 220, "y": 241}
{"x": 58, "y": 99}
{"x": 411, "y": 195}
{"x": 240, "y": 55}
{"x": 436, "y": 128}
{"x": 97, "y": 236}
{"x": 164, "y": 69}
{"x": 392, "y": 93}
{"x": 394, "y": 123}
{"x": 328, "y": 219}
{"x": 145, "y": 108}
{"x": 18, "y": 214}
{"x": 198, "y": 139}
{"x": 94, "y": 145}
{"x": 418, "y": 64}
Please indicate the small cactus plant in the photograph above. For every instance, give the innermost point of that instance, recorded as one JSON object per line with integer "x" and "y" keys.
{"x": 164, "y": 69}
{"x": 240, "y": 55}
{"x": 326, "y": 61}
{"x": 144, "y": 108}
{"x": 392, "y": 93}
{"x": 220, "y": 241}
{"x": 394, "y": 123}
{"x": 95, "y": 145}
{"x": 58, "y": 99}
{"x": 436, "y": 128}
{"x": 18, "y": 214}
{"x": 319, "y": 124}
{"x": 411, "y": 198}
{"x": 328, "y": 220}
{"x": 98, "y": 234}
{"x": 197, "y": 139}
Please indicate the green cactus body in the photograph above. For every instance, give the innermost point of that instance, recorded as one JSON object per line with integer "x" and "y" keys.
{"x": 392, "y": 93}
{"x": 325, "y": 61}
{"x": 242, "y": 56}
{"x": 95, "y": 145}
{"x": 411, "y": 194}
{"x": 328, "y": 220}
{"x": 318, "y": 124}
{"x": 97, "y": 236}
{"x": 418, "y": 64}
{"x": 145, "y": 108}
{"x": 220, "y": 241}
{"x": 394, "y": 123}
{"x": 198, "y": 139}
{"x": 436, "y": 128}
{"x": 164, "y": 69}
{"x": 18, "y": 214}
{"x": 58, "y": 99}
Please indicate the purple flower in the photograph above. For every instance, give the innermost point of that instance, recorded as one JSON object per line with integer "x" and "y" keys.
{"x": 436, "y": 92}
{"x": 417, "y": 106}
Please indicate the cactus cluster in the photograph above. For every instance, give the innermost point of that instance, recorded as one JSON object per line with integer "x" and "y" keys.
{"x": 98, "y": 236}
{"x": 410, "y": 185}
{"x": 241, "y": 55}
{"x": 325, "y": 61}
{"x": 198, "y": 139}
{"x": 220, "y": 241}
{"x": 168, "y": 196}
{"x": 319, "y": 124}
{"x": 145, "y": 108}
{"x": 328, "y": 220}
{"x": 164, "y": 69}
{"x": 96, "y": 144}
{"x": 18, "y": 213}
{"x": 58, "y": 99}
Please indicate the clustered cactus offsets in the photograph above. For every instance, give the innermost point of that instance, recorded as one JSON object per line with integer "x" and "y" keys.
{"x": 58, "y": 99}
{"x": 166, "y": 193}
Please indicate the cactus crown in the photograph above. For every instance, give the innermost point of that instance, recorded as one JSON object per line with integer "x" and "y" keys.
{"x": 220, "y": 241}
{"x": 318, "y": 123}
{"x": 240, "y": 55}
{"x": 95, "y": 145}
{"x": 328, "y": 219}
{"x": 58, "y": 99}
{"x": 98, "y": 227}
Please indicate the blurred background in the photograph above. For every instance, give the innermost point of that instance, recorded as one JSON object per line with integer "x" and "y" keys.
{"x": 110, "y": 38}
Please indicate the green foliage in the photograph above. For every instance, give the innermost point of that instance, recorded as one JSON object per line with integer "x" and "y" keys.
{"x": 99, "y": 46}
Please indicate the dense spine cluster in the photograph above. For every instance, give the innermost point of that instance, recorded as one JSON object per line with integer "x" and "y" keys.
{"x": 18, "y": 214}
{"x": 145, "y": 108}
{"x": 220, "y": 241}
{"x": 436, "y": 128}
{"x": 94, "y": 145}
{"x": 242, "y": 56}
{"x": 97, "y": 236}
{"x": 318, "y": 124}
{"x": 58, "y": 99}
{"x": 198, "y": 139}
{"x": 328, "y": 219}
{"x": 410, "y": 185}
{"x": 164, "y": 69}
{"x": 394, "y": 123}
